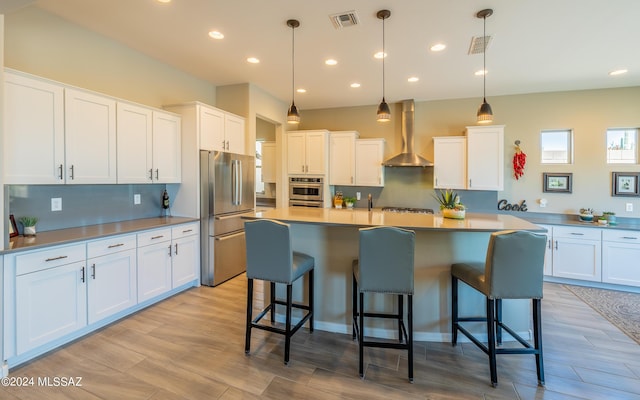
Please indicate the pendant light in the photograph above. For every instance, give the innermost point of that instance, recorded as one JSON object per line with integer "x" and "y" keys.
{"x": 384, "y": 113}
{"x": 485, "y": 114}
{"x": 292, "y": 115}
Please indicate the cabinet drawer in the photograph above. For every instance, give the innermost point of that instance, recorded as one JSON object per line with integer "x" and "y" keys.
{"x": 621, "y": 236}
{"x": 576, "y": 232}
{"x": 185, "y": 230}
{"x": 110, "y": 245}
{"x": 54, "y": 257}
{"x": 154, "y": 236}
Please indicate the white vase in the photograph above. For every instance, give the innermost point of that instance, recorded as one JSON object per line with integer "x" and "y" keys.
{"x": 454, "y": 214}
{"x": 30, "y": 230}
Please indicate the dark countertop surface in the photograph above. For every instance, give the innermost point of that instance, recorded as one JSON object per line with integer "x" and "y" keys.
{"x": 573, "y": 220}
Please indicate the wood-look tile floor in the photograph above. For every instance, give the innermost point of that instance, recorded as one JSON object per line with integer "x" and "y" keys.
{"x": 191, "y": 346}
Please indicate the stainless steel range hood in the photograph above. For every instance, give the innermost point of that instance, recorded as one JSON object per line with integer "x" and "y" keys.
{"x": 407, "y": 158}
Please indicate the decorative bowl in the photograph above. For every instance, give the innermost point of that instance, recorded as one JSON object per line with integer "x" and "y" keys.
{"x": 586, "y": 217}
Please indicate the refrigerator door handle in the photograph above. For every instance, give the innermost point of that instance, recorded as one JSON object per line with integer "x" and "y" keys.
{"x": 236, "y": 179}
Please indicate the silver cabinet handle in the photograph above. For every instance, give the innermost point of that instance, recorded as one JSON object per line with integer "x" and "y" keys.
{"x": 556, "y": 245}
{"x": 223, "y": 145}
{"x": 169, "y": 250}
{"x": 176, "y": 248}
{"x": 55, "y": 258}
{"x": 82, "y": 275}
{"x": 115, "y": 245}
{"x": 157, "y": 176}
{"x": 150, "y": 174}
{"x": 470, "y": 185}
{"x": 577, "y": 234}
{"x": 549, "y": 243}
{"x": 629, "y": 237}
{"x": 60, "y": 174}
{"x": 72, "y": 173}
{"x": 157, "y": 237}
{"x": 93, "y": 271}
{"x": 187, "y": 230}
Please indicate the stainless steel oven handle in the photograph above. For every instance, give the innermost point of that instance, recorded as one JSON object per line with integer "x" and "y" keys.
{"x": 223, "y": 238}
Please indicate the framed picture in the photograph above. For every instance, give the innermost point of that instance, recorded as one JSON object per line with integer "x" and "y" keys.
{"x": 557, "y": 182}
{"x": 13, "y": 228}
{"x": 625, "y": 184}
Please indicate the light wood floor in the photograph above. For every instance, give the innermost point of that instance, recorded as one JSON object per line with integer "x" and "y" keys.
{"x": 191, "y": 347}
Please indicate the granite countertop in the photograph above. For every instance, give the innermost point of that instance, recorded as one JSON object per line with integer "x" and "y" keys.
{"x": 70, "y": 235}
{"x": 573, "y": 220}
{"x": 474, "y": 222}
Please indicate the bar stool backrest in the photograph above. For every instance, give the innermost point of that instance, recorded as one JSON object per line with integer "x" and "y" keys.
{"x": 515, "y": 265}
{"x": 386, "y": 260}
{"x": 269, "y": 254}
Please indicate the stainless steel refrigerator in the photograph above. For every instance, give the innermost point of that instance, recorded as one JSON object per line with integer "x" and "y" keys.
{"x": 227, "y": 191}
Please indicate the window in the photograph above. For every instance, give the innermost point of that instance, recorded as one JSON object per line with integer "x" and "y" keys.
{"x": 556, "y": 146}
{"x": 621, "y": 146}
{"x": 259, "y": 183}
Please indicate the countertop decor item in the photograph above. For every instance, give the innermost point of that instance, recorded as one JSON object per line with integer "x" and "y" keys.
{"x": 450, "y": 204}
{"x": 13, "y": 228}
{"x": 349, "y": 201}
{"x": 610, "y": 217}
{"x": 29, "y": 224}
{"x": 586, "y": 214}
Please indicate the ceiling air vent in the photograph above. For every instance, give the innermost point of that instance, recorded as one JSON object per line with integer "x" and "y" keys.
{"x": 477, "y": 44}
{"x": 344, "y": 19}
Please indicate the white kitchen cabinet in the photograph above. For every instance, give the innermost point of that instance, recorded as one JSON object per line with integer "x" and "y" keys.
{"x": 33, "y": 124}
{"x": 154, "y": 263}
{"x": 485, "y": 157}
{"x": 548, "y": 254}
{"x": 90, "y": 138}
{"x": 577, "y": 253}
{"x": 219, "y": 130}
{"x": 112, "y": 278}
{"x": 342, "y": 158}
{"x": 369, "y": 157}
{"x": 185, "y": 263}
{"x": 234, "y": 133}
{"x": 450, "y": 162}
{"x": 134, "y": 126}
{"x": 308, "y": 152}
{"x": 269, "y": 162}
{"x": 51, "y": 295}
{"x": 620, "y": 255}
{"x": 166, "y": 147}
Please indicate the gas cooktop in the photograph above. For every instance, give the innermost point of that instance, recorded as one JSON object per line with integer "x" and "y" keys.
{"x": 408, "y": 210}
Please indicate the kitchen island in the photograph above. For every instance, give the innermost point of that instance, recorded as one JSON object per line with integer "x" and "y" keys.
{"x": 331, "y": 236}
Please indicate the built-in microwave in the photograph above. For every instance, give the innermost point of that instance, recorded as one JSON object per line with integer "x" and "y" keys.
{"x": 306, "y": 189}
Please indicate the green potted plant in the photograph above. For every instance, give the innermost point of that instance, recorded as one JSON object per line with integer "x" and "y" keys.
{"x": 29, "y": 224}
{"x": 610, "y": 217}
{"x": 602, "y": 220}
{"x": 349, "y": 201}
{"x": 450, "y": 204}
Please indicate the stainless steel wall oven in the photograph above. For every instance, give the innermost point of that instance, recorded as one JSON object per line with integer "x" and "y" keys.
{"x": 306, "y": 192}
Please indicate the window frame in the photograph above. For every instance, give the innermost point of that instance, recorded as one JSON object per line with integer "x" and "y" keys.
{"x": 634, "y": 150}
{"x": 569, "y": 147}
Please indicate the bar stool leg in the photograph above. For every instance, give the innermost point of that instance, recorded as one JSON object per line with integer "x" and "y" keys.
{"x": 247, "y": 340}
{"x": 361, "y": 338}
{"x": 499, "y": 321}
{"x": 400, "y": 317}
{"x": 287, "y": 335}
{"x": 410, "y": 338}
{"x": 454, "y": 311}
{"x": 491, "y": 341}
{"x": 537, "y": 338}
{"x": 272, "y": 301}
{"x": 311, "y": 295}
{"x": 354, "y": 305}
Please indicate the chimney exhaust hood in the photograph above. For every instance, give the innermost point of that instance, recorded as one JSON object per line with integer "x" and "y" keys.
{"x": 407, "y": 158}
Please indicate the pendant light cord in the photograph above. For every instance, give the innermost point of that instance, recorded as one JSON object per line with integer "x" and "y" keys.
{"x": 484, "y": 60}
{"x": 293, "y": 65}
{"x": 383, "y": 57}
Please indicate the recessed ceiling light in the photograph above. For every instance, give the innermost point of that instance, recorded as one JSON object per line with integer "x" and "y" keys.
{"x": 216, "y": 35}
{"x": 481, "y": 72}
{"x": 164, "y": 1}
{"x": 331, "y": 61}
{"x": 618, "y": 72}
{"x": 380, "y": 55}
{"x": 438, "y": 47}
{"x": 301, "y": 90}
{"x": 413, "y": 79}
{"x": 253, "y": 60}
{"x": 355, "y": 85}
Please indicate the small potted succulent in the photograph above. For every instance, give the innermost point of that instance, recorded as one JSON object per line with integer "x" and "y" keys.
{"x": 602, "y": 220}
{"x": 450, "y": 204}
{"x": 29, "y": 224}
{"x": 349, "y": 201}
{"x": 610, "y": 216}
{"x": 586, "y": 214}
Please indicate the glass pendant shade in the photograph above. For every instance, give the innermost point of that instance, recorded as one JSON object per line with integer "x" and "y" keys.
{"x": 292, "y": 115}
{"x": 384, "y": 113}
{"x": 485, "y": 114}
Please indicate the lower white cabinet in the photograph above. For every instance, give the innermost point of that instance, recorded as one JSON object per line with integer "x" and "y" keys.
{"x": 577, "y": 253}
{"x": 51, "y": 295}
{"x": 185, "y": 261}
{"x": 111, "y": 267}
{"x": 154, "y": 263}
{"x": 620, "y": 255}
{"x": 548, "y": 254}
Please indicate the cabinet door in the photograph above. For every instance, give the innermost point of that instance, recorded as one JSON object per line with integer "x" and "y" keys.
{"x": 268, "y": 162}
{"x": 620, "y": 255}
{"x": 450, "y": 162}
{"x": 577, "y": 258}
{"x": 166, "y": 148}
{"x": 485, "y": 158}
{"x": 186, "y": 260}
{"x": 33, "y": 120}
{"x": 112, "y": 284}
{"x": 296, "y": 158}
{"x": 154, "y": 270}
{"x": 234, "y": 134}
{"x": 342, "y": 161}
{"x": 211, "y": 129}
{"x": 369, "y": 157}
{"x": 548, "y": 254}
{"x": 90, "y": 138}
{"x": 316, "y": 144}
{"x": 134, "y": 132}
{"x": 50, "y": 304}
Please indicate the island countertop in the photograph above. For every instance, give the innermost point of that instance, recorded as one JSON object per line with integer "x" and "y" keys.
{"x": 473, "y": 222}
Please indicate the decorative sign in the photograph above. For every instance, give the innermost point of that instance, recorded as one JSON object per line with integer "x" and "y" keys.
{"x": 503, "y": 205}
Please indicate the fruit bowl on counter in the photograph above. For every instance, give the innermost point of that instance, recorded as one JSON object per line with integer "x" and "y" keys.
{"x": 586, "y": 215}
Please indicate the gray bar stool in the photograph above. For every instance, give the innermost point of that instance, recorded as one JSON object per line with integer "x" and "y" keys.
{"x": 270, "y": 258}
{"x": 385, "y": 265}
{"x": 513, "y": 270}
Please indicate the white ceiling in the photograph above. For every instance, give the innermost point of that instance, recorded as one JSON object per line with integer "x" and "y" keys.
{"x": 538, "y": 45}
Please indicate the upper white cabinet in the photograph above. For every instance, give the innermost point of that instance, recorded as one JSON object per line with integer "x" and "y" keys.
{"x": 90, "y": 137}
{"x": 485, "y": 157}
{"x": 308, "y": 152}
{"x": 342, "y": 156}
{"x": 369, "y": 157}
{"x": 234, "y": 133}
{"x": 269, "y": 162}
{"x": 450, "y": 162}
{"x": 166, "y": 147}
{"x": 33, "y": 124}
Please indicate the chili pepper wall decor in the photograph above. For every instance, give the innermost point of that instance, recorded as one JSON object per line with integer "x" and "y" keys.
{"x": 519, "y": 160}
